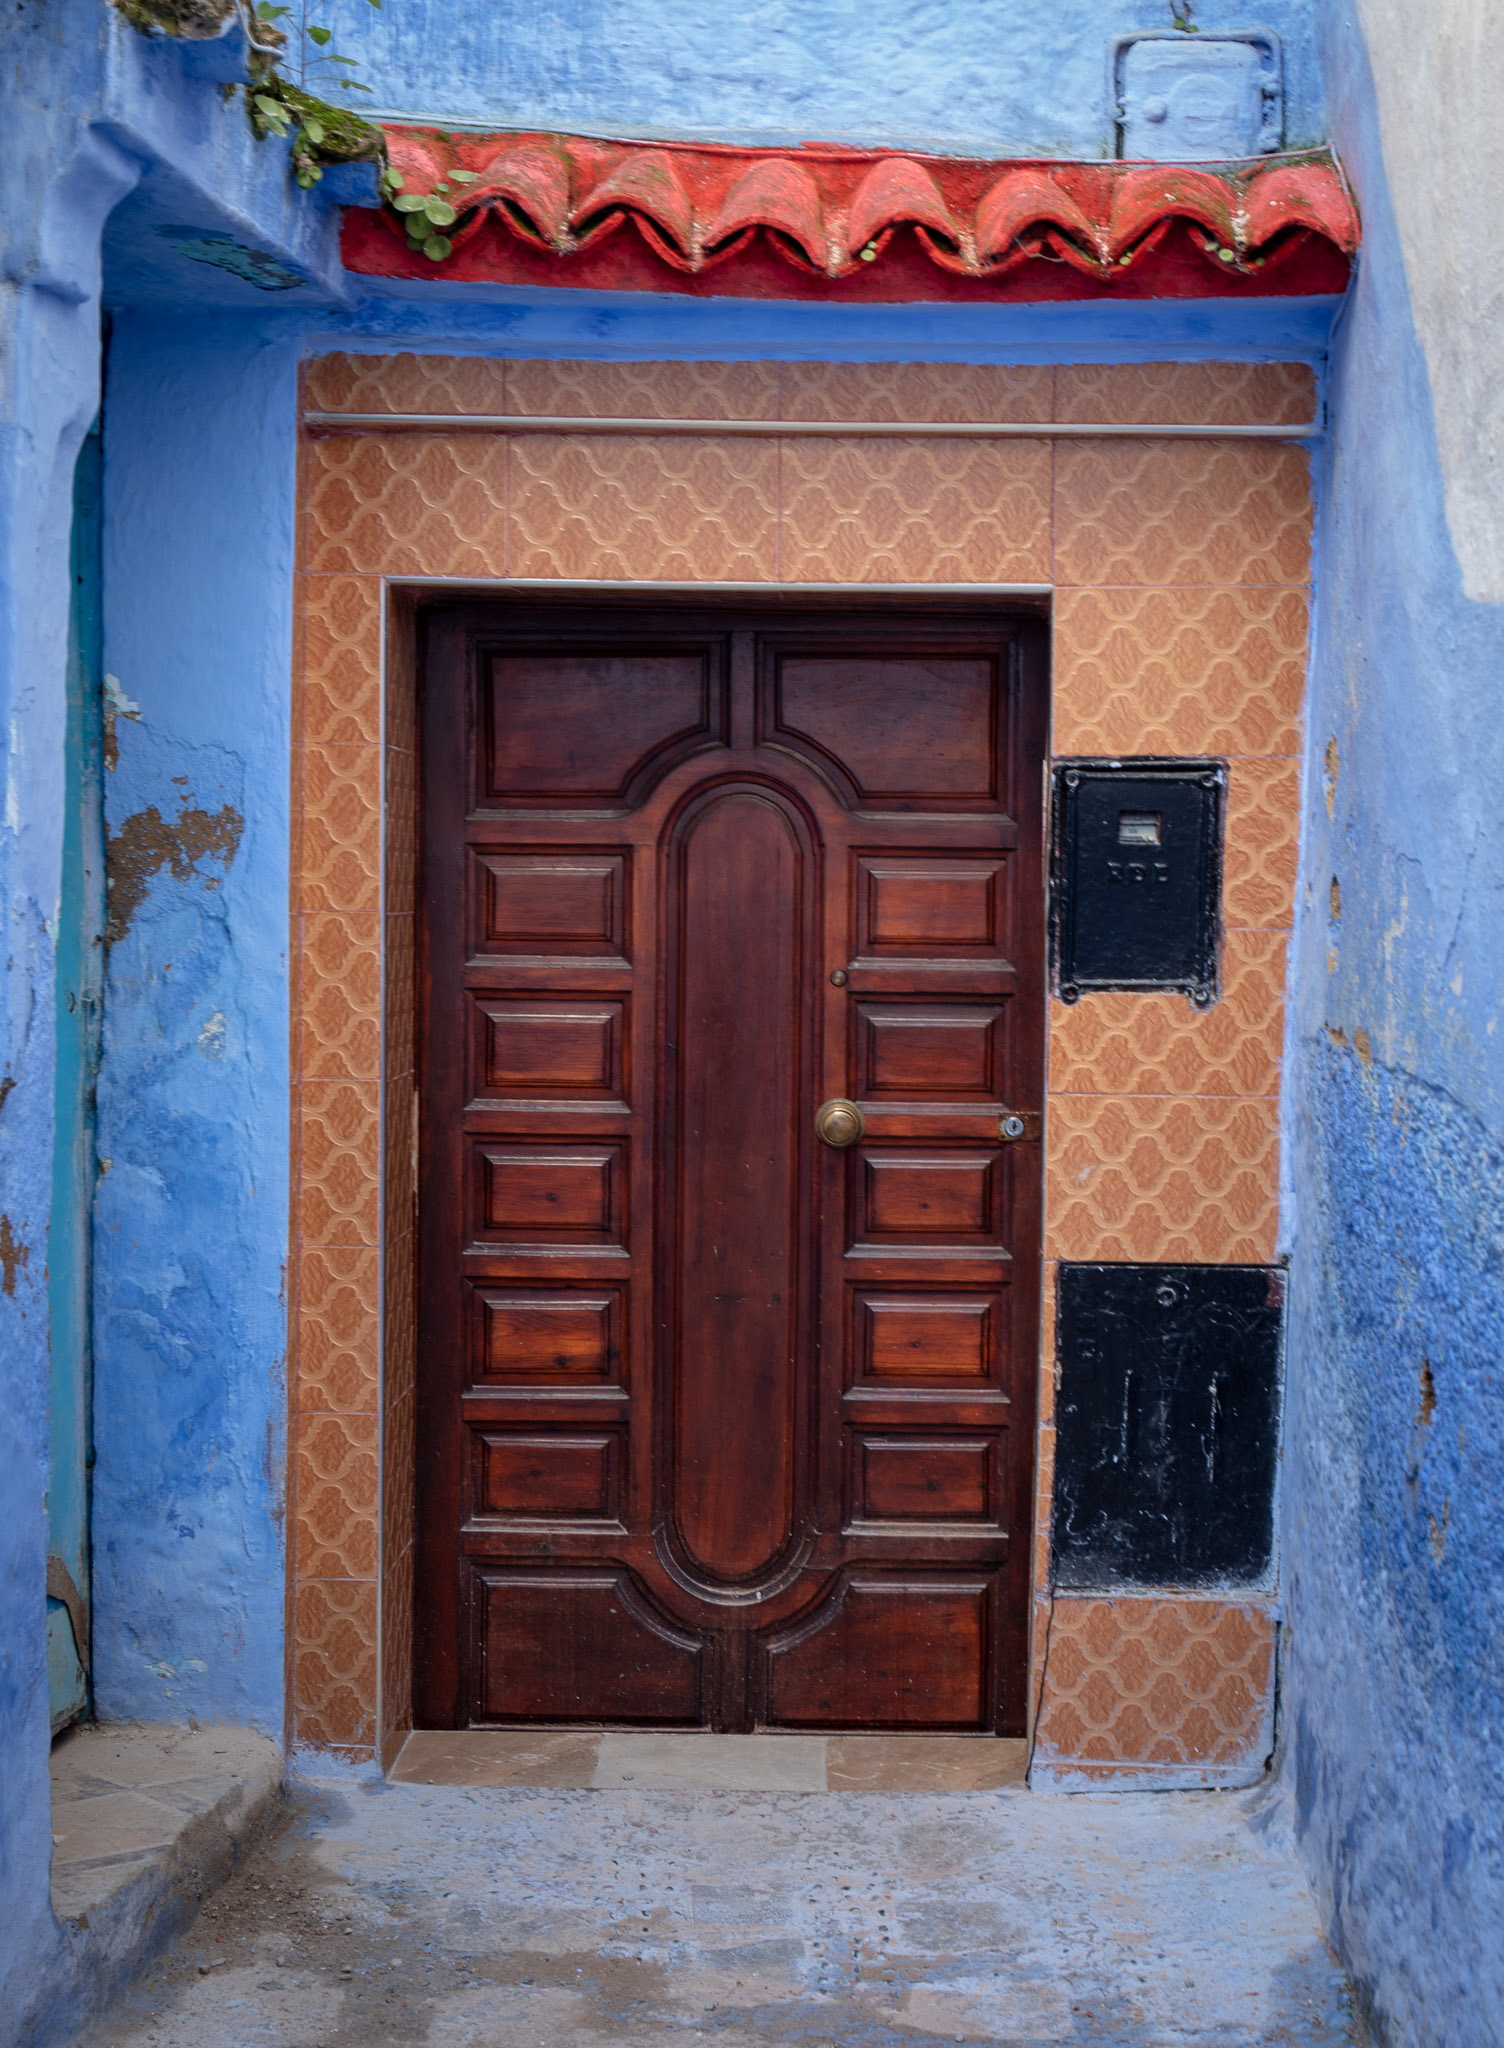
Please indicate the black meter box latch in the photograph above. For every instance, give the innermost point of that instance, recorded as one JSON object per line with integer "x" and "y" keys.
{"x": 1137, "y": 876}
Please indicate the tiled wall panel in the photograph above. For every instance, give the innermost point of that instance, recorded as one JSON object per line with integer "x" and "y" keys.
{"x": 1180, "y": 572}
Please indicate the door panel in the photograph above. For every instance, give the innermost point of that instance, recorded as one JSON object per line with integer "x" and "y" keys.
{"x": 719, "y": 1426}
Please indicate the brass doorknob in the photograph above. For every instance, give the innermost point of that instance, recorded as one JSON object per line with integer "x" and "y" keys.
{"x": 839, "y": 1123}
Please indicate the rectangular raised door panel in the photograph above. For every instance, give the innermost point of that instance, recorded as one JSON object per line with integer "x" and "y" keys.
{"x": 572, "y": 901}
{"x": 558, "y": 1193}
{"x": 923, "y": 1479}
{"x": 523, "y": 1477}
{"x": 571, "y": 1049}
{"x": 920, "y": 1337}
{"x": 912, "y": 1197}
{"x": 906, "y": 1052}
{"x": 720, "y": 1426}
{"x": 930, "y": 907}
{"x": 536, "y": 1338}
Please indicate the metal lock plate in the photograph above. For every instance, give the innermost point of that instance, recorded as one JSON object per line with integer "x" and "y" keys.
{"x": 1136, "y": 876}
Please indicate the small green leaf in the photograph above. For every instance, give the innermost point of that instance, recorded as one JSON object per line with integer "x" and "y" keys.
{"x": 335, "y": 58}
{"x": 352, "y": 85}
{"x": 410, "y": 202}
{"x": 314, "y": 130}
{"x": 319, "y": 35}
{"x": 272, "y": 109}
{"x": 392, "y": 179}
{"x": 266, "y": 12}
{"x": 441, "y": 213}
{"x": 437, "y": 247}
{"x": 464, "y": 177}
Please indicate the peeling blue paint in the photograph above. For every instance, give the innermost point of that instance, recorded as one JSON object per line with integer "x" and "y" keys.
{"x": 192, "y": 1213}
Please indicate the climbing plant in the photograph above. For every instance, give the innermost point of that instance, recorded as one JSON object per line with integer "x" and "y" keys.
{"x": 321, "y": 130}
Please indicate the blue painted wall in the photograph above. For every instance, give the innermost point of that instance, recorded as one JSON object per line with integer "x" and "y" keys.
{"x": 989, "y": 76}
{"x": 61, "y": 182}
{"x": 1393, "y": 1671}
{"x": 191, "y": 1213}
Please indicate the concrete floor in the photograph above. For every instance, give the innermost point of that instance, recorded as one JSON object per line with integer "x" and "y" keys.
{"x": 466, "y": 1915}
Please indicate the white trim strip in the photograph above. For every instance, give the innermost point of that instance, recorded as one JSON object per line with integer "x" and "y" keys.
{"x": 852, "y": 593}
{"x": 865, "y": 430}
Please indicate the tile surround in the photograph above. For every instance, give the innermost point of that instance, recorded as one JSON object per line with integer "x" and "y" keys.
{"x": 1179, "y": 627}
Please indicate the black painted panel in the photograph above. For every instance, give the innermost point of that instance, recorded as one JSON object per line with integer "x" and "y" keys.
{"x": 1166, "y": 1417}
{"x": 1137, "y": 876}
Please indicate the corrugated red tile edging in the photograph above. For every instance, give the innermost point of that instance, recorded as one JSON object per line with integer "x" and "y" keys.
{"x": 862, "y": 225}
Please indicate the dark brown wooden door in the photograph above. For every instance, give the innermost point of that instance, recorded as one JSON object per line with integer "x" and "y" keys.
{"x": 719, "y": 1425}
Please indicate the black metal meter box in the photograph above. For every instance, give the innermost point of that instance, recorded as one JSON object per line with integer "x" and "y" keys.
{"x": 1166, "y": 1424}
{"x": 1137, "y": 876}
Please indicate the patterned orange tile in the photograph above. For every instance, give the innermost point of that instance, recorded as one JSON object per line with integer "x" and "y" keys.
{"x": 341, "y": 673}
{"x": 333, "y": 1714}
{"x": 401, "y": 694}
{"x": 1156, "y": 1177}
{"x": 400, "y": 1104}
{"x": 401, "y": 832}
{"x": 1194, "y": 394}
{"x": 1172, "y": 1682}
{"x": 335, "y": 1463}
{"x": 337, "y": 1618}
{"x": 339, "y": 1329}
{"x": 339, "y": 1199}
{"x": 339, "y": 980}
{"x": 400, "y": 1296}
{"x": 1189, "y": 671}
{"x": 340, "y": 856}
{"x": 405, "y": 383}
{"x": 647, "y": 391}
{"x": 915, "y": 511}
{"x": 409, "y": 504}
{"x": 400, "y": 997}
{"x": 396, "y": 1652}
{"x": 914, "y": 391}
{"x": 1262, "y": 849}
{"x": 677, "y": 509}
{"x": 1152, "y": 1153}
{"x": 1118, "y": 1044}
{"x": 1172, "y": 512}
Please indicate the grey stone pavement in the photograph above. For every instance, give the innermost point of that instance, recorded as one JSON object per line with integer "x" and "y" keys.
{"x": 646, "y": 1913}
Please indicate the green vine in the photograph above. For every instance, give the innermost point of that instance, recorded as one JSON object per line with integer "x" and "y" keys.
{"x": 321, "y": 131}
{"x": 425, "y": 215}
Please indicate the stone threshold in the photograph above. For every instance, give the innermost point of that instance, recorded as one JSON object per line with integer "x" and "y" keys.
{"x": 694, "y": 1761}
{"x": 147, "y": 1819}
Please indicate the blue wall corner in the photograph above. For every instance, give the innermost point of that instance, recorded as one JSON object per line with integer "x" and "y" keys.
{"x": 192, "y": 1209}
{"x": 1394, "y": 1664}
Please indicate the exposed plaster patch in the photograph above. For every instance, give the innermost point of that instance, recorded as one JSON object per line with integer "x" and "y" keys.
{"x": 147, "y": 843}
{"x": 116, "y": 706}
{"x": 14, "y": 1254}
{"x": 211, "y": 1040}
{"x": 1427, "y": 1394}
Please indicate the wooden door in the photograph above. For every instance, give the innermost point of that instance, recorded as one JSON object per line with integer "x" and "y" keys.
{"x": 720, "y": 1425}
